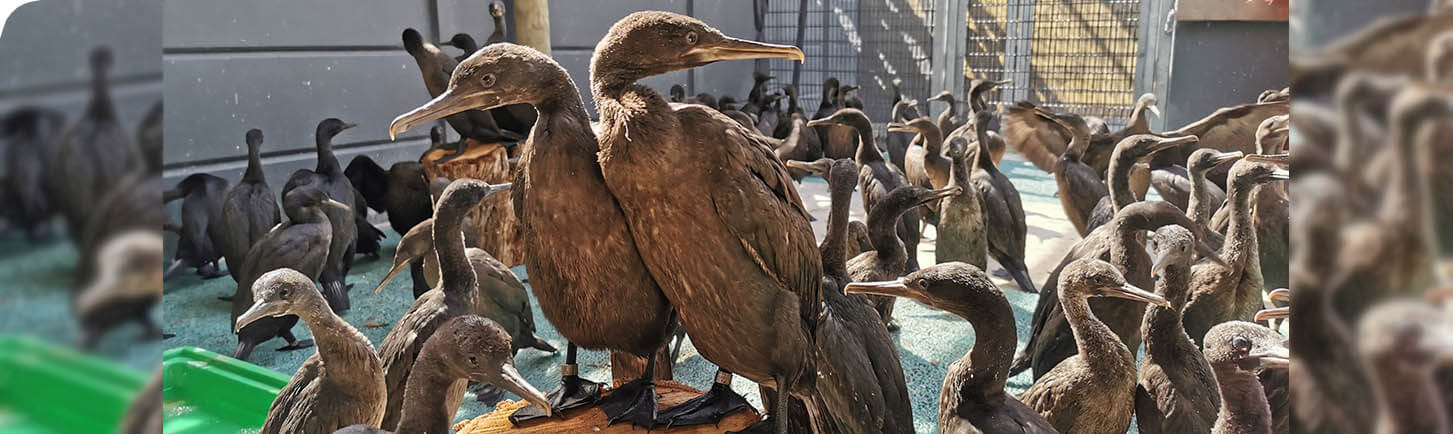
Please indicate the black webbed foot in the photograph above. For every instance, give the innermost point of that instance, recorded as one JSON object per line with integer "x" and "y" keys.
{"x": 305, "y": 343}
{"x": 893, "y": 326}
{"x": 709, "y": 408}
{"x": 634, "y": 401}
{"x": 574, "y": 392}
{"x": 225, "y": 298}
{"x": 165, "y": 336}
{"x": 210, "y": 271}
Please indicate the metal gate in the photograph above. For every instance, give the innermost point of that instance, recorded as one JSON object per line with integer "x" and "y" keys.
{"x": 1067, "y": 55}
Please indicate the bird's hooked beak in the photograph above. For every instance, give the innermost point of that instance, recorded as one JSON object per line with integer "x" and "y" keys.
{"x": 400, "y": 263}
{"x": 729, "y": 48}
{"x": 260, "y": 310}
{"x": 941, "y": 193}
{"x": 1164, "y": 144}
{"x": 1280, "y": 296}
{"x": 455, "y": 99}
{"x": 336, "y": 205}
{"x": 891, "y": 288}
{"x": 511, "y": 380}
{"x": 826, "y": 122}
{"x": 1282, "y": 159}
{"x": 1273, "y": 313}
{"x": 898, "y": 127}
{"x": 1130, "y": 292}
{"x": 1275, "y": 356}
{"x": 1161, "y": 261}
{"x": 1226, "y": 157}
{"x": 1153, "y": 109}
{"x": 942, "y": 96}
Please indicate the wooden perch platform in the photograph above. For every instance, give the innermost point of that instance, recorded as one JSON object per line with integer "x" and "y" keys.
{"x": 593, "y": 419}
{"x": 499, "y": 233}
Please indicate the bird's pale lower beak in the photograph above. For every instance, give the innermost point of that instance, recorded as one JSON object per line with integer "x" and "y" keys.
{"x": 1273, "y": 313}
{"x": 259, "y": 310}
{"x": 1281, "y": 174}
{"x": 942, "y": 193}
{"x": 336, "y": 204}
{"x": 890, "y": 288}
{"x": 1273, "y": 358}
{"x": 730, "y": 48}
{"x": 1280, "y": 295}
{"x": 1282, "y": 159}
{"x": 516, "y": 383}
{"x": 1225, "y": 157}
{"x": 1154, "y": 110}
{"x": 820, "y": 122}
{"x": 450, "y": 102}
{"x": 1130, "y": 292}
{"x": 398, "y": 266}
{"x": 900, "y": 128}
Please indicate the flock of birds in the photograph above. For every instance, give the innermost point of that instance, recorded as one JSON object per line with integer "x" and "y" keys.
{"x": 673, "y": 214}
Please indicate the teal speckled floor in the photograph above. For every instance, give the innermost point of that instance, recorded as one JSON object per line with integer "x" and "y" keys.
{"x": 929, "y": 340}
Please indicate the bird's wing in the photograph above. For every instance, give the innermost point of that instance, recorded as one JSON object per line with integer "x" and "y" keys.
{"x": 1029, "y": 130}
{"x": 1231, "y": 128}
{"x": 757, "y": 201}
{"x": 845, "y": 374}
{"x": 399, "y": 349}
{"x": 997, "y": 217}
{"x": 293, "y": 406}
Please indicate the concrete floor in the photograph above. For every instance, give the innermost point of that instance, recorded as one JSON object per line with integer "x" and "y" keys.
{"x": 929, "y": 340}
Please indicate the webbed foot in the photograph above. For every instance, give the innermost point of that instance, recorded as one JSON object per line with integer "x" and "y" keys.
{"x": 574, "y": 392}
{"x": 709, "y": 408}
{"x": 298, "y": 345}
{"x": 634, "y": 401}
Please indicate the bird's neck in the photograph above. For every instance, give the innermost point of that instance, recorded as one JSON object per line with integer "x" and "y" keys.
{"x": 984, "y": 160}
{"x": 1165, "y": 335}
{"x": 994, "y": 330}
{"x": 100, "y": 106}
{"x": 339, "y": 344}
{"x": 327, "y": 163}
{"x": 932, "y": 142}
{"x": 1407, "y": 198}
{"x": 1119, "y": 185}
{"x": 1198, "y": 206}
{"x": 630, "y": 112}
{"x": 834, "y": 244}
{"x": 1241, "y": 245}
{"x": 455, "y": 273}
{"x": 883, "y": 229}
{"x": 867, "y": 150}
{"x": 254, "y": 165}
{"x": 962, "y": 169}
{"x": 500, "y": 26}
{"x": 1096, "y": 342}
{"x": 1138, "y": 124}
{"x": 1244, "y": 408}
{"x": 425, "y": 410}
{"x": 1408, "y": 397}
{"x": 563, "y": 123}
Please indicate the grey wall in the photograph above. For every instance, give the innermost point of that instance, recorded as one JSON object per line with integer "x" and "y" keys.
{"x": 1223, "y": 63}
{"x": 282, "y": 66}
{"x": 46, "y": 45}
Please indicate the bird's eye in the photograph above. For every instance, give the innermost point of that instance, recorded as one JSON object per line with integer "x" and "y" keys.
{"x": 922, "y": 283}
{"x": 691, "y": 37}
{"x": 1242, "y": 344}
{"x": 472, "y": 360}
{"x": 487, "y": 80}
{"x": 283, "y": 294}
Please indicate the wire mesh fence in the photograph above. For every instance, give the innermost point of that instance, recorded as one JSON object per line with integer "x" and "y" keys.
{"x": 829, "y": 40}
{"x": 1066, "y": 55}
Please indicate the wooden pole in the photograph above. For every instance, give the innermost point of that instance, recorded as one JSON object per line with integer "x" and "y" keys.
{"x": 532, "y": 24}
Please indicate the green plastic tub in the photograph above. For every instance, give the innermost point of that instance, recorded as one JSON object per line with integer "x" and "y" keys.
{"x": 49, "y": 389}
{"x": 204, "y": 392}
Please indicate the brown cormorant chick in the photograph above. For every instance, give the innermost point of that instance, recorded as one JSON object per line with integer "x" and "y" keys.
{"x": 926, "y": 165}
{"x": 436, "y": 66}
{"x": 1121, "y": 242}
{"x": 961, "y": 230}
{"x": 341, "y": 384}
{"x": 876, "y": 176}
{"x": 464, "y": 42}
{"x": 757, "y": 97}
{"x": 93, "y": 153}
{"x": 456, "y": 295}
{"x": 1129, "y": 153}
{"x": 972, "y": 398}
{"x": 1026, "y": 128}
{"x": 1237, "y": 350}
{"x": 1176, "y": 386}
{"x": 800, "y": 145}
{"x": 1093, "y": 391}
{"x": 1232, "y": 291}
{"x": 898, "y": 142}
{"x": 1204, "y": 196}
{"x": 563, "y": 204}
{"x": 249, "y": 210}
{"x": 1404, "y": 343}
{"x": 401, "y": 191}
{"x": 127, "y": 284}
{"x": 30, "y": 134}
{"x": 678, "y": 93}
{"x": 329, "y": 176}
{"x": 202, "y": 195}
{"x": 838, "y": 141}
{"x": 502, "y": 296}
{"x": 1269, "y": 205}
{"x": 747, "y": 221}
{"x": 889, "y": 258}
{"x": 464, "y": 348}
{"x": 1080, "y": 186}
{"x": 301, "y": 244}
{"x": 978, "y": 102}
{"x": 863, "y": 361}
{"x": 949, "y": 120}
{"x": 1001, "y": 206}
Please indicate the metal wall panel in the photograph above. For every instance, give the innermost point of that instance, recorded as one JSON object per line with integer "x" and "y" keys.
{"x": 263, "y": 24}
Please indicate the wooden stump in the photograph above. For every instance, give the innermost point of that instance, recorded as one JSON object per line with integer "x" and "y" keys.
{"x": 593, "y": 419}
{"x": 499, "y": 232}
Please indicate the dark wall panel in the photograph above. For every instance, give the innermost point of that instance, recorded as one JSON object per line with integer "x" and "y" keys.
{"x": 194, "y": 24}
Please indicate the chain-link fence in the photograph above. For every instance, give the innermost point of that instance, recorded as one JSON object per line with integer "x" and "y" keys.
{"x": 1066, "y": 55}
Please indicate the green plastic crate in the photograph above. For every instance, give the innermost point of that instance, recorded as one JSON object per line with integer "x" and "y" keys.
{"x": 204, "y": 392}
{"x": 49, "y": 389}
